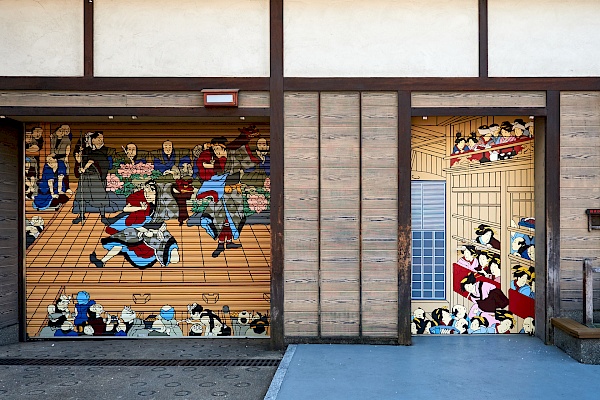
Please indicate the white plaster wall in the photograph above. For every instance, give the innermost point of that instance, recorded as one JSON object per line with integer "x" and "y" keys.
{"x": 351, "y": 38}
{"x": 41, "y": 38}
{"x": 544, "y": 38}
{"x": 181, "y": 38}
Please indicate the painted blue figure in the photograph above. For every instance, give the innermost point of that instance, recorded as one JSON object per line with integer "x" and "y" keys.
{"x": 82, "y": 305}
{"x": 166, "y": 157}
{"x": 51, "y": 186}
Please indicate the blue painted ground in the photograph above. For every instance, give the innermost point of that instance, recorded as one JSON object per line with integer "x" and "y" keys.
{"x": 479, "y": 368}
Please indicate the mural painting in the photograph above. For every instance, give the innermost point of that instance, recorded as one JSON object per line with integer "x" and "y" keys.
{"x": 141, "y": 230}
{"x": 473, "y": 273}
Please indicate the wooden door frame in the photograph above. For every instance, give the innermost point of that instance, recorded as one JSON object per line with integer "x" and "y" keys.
{"x": 547, "y": 211}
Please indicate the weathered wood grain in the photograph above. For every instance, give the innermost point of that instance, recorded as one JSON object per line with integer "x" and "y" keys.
{"x": 478, "y": 99}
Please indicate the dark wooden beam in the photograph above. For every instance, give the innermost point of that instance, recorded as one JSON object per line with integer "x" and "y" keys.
{"x": 22, "y": 304}
{"x": 483, "y": 38}
{"x": 88, "y": 38}
{"x": 136, "y": 111}
{"x": 296, "y": 84}
{"x": 441, "y": 84}
{"x": 404, "y": 218}
{"x": 277, "y": 163}
{"x": 478, "y": 111}
{"x": 552, "y": 202}
{"x": 88, "y": 83}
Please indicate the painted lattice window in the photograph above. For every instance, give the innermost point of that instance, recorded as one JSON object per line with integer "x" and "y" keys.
{"x": 428, "y": 199}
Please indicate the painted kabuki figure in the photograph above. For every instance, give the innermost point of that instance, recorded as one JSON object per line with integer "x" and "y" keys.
{"x": 222, "y": 167}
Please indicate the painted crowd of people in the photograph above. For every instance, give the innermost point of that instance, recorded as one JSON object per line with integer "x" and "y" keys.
{"x": 89, "y": 318}
{"x": 493, "y": 142}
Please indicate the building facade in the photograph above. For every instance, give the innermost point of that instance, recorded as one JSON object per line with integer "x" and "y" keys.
{"x": 390, "y": 168}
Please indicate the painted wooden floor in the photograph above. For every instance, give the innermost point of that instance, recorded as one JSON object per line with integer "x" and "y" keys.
{"x": 58, "y": 263}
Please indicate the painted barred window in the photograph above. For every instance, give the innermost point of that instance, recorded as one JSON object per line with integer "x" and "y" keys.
{"x": 428, "y": 239}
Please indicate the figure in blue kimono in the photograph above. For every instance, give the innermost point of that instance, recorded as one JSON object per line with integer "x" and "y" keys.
{"x": 51, "y": 186}
{"x": 168, "y": 157}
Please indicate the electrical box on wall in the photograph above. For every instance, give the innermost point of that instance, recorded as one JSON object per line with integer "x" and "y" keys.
{"x": 593, "y": 218}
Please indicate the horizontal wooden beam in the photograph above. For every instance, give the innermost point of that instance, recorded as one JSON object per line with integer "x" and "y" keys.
{"x": 297, "y": 84}
{"x": 137, "y": 111}
{"x": 441, "y": 84}
{"x": 478, "y": 111}
{"x": 131, "y": 84}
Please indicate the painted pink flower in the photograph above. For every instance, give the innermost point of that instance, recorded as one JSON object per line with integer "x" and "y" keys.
{"x": 113, "y": 183}
{"x": 126, "y": 170}
{"x": 143, "y": 168}
{"x": 268, "y": 184}
{"x": 257, "y": 202}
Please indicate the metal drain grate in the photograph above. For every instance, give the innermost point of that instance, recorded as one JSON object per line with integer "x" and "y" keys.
{"x": 141, "y": 363}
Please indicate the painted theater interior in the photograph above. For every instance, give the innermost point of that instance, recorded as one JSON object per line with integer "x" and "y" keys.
{"x": 473, "y": 225}
{"x": 142, "y": 230}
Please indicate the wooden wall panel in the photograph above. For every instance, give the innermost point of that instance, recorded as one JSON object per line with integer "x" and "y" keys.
{"x": 37, "y": 98}
{"x": 478, "y": 99}
{"x": 340, "y": 213}
{"x": 579, "y": 190}
{"x": 301, "y": 221}
{"x": 379, "y": 214}
{"x": 9, "y": 226}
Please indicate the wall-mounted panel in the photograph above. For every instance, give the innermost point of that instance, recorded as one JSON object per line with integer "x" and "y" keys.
{"x": 40, "y": 98}
{"x": 301, "y": 221}
{"x": 41, "y": 38}
{"x": 579, "y": 190}
{"x": 188, "y": 38}
{"x": 379, "y": 214}
{"x": 544, "y": 38}
{"x": 340, "y": 213}
{"x": 346, "y": 38}
{"x": 478, "y": 99}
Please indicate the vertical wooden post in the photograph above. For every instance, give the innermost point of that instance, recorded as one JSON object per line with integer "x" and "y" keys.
{"x": 552, "y": 212}
{"x": 404, "y": 218}
{"x": 588, "y": 292}
{"x": 483, "y": 38}
{"x": 88, "y": 38}
{"x": 276, "y": 125}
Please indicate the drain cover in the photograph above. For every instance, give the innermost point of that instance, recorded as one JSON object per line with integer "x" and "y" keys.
{"x": 142, "y": 363}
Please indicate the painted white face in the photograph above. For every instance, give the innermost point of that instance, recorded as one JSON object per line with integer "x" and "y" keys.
{"x": 531, "y": 252}
{"x": 486, "y": 237}
{"x": 419, "y": 313}
{"x": 522, "y": 280}
{"x": 219, "y": 150}
{"x": 131, "y": 150}
{"x": 516, "y": 244}
{"x": 88, "y": 330}
{"x": 97, "y": 308}
{"x": 468, "y": 255}
{"x": 475, "y": 325}
{"x": 168, "y": 148}
{"x": 483, "y": 260}
{"x": 127, "y": 315}
{"x": 495, "y": 269}
{"x": 504, "y": 326}
{"x": 528, "y": 325}
{"x": 262, "y": 145}
{"x": 470, "y": 287}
